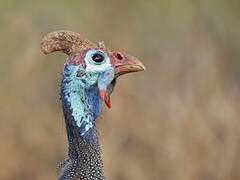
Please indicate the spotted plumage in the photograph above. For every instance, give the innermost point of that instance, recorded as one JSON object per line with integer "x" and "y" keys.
{"x": 88, "y": 79}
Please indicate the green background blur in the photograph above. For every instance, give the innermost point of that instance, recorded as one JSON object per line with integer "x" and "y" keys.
{"x": 178, "y": 120}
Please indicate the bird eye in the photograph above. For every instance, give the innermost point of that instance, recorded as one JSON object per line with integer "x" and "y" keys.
{"x": 98, "y": 58}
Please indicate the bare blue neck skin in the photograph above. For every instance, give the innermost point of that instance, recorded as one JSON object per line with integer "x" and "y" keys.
{"x": 81, "y": 106}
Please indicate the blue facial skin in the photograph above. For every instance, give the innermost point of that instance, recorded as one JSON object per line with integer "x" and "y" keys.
{"x": 80, "y": 97}
{"x": 105, "y": 78}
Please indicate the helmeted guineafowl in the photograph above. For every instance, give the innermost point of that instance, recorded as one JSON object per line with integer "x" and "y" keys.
{"x": 88, "y": 78}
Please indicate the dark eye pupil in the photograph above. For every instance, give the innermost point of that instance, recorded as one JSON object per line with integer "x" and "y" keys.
{"x": 98, "y": 58}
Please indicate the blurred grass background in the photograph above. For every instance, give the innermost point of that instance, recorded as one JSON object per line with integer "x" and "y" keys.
{"x": 177, "y": 120}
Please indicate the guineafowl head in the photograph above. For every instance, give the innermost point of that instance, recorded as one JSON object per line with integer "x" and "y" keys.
{"x": 89, "y": 76}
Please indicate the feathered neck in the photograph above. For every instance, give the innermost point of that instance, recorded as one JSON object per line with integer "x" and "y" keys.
{"x": 81, "y": 107}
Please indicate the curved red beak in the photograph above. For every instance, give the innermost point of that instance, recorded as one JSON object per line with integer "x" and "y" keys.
{"x": 124, "y": 63}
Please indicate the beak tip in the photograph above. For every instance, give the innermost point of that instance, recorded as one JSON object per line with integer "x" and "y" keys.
{"x": 143, "y": 68}
{"x": 139, "y": 67}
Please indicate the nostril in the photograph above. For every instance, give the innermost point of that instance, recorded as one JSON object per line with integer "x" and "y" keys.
{"x": 119, "y": 55}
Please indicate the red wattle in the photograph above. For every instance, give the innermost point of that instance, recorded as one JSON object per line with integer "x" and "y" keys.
{"x": 102, "y": 94}
{"x": 108, "y": 103}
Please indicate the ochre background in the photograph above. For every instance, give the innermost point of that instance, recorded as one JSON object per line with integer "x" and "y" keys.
{"x": 178, "y": 120}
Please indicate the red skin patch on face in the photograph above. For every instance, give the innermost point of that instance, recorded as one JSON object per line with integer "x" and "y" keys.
{"x": 116, "y": 58}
